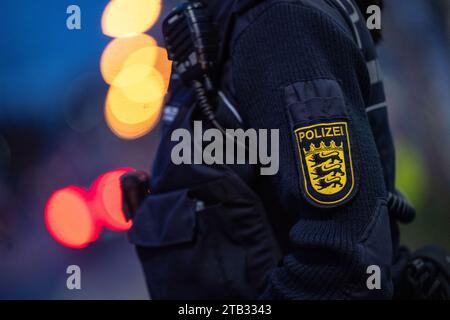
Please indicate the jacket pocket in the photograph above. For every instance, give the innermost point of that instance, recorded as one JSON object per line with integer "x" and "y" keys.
{"x": 207, "y": 242}
{"x": 164, "y": 220}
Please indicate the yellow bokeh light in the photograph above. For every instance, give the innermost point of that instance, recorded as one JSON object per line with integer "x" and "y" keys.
{"x": 133, "y": 108}
{"x": 127, "y": 131}
{"x": 145, "y": 56}
{"x": 135, "y": 67}
{"x": 129, "y": 119}
{"x": 128, "y": 111}
{"x": 125, "y": 52}
{"x": 126, "y": 18}
{"x": 149, "y": 89}
{"x": 132, "y": 75}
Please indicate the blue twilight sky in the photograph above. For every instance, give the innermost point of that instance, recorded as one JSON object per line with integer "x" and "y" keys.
{"x": 40, "y": 56}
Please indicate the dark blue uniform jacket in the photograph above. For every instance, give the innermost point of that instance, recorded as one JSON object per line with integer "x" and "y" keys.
{"x": 308, "y": 68}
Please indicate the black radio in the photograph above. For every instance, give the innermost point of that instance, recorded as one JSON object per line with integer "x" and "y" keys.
{"x": 192, "y": 44}
{"x": 191, "y": 41}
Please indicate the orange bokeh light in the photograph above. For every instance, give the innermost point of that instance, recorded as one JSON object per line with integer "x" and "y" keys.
{"x": 68, "y": 218}
{"x": 106, "y": 196}
{"x": 125, "y": 18}
{"x": 129, "y": 119}
{"x": 164, "y": 66}
{"x": 126, "y": 131}
{"x": 132, "y": 75}
{"x": 135, "y": 67}
{"x": 124, "y": 52}
{"x": 129, "y": 132}
{"x": 149, "y": 89}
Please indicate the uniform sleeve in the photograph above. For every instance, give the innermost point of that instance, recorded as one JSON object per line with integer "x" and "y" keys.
{"x": 296, "y": 70}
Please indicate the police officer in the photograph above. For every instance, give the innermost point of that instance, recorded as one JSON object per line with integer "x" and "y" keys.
{"x": 323, "y": 227}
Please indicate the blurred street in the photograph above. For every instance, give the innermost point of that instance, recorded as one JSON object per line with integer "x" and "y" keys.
{"x": 55, "y": 132}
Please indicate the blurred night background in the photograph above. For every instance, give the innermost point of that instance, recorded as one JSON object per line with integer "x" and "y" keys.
{"x": 62, "y": 123}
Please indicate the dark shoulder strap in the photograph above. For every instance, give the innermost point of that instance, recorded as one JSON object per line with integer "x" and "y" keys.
{"x": 241, "y": 16}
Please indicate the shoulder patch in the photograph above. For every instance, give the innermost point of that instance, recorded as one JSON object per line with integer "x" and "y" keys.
{"x": 326, "y": 163}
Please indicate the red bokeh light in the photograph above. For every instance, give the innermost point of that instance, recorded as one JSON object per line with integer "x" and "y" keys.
{"x": 69, "y": 219}
{"x": 106, "y": 200}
